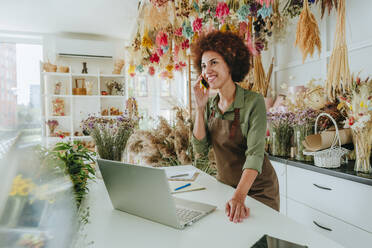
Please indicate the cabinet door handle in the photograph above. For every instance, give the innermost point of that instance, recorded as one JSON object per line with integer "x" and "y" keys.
{"x": 321, "y": 187}
{"x": 323, "y": 227}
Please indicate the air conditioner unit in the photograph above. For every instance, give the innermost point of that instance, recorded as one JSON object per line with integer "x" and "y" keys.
{"x": 84, "y": 48}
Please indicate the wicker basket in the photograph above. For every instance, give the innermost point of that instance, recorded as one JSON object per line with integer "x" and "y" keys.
{"x": 49, "y": 67}
{"x": 64, "y": 69}
{"x": 331, "y": 157}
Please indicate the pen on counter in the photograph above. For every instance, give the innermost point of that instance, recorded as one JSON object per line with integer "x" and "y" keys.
{"x": 183, "y": 186}
{"x": 180, "y": 175}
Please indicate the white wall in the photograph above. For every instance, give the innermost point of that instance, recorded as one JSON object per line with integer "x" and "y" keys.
{"x": 288, "y": 59}
{"x": 104, "y": 65}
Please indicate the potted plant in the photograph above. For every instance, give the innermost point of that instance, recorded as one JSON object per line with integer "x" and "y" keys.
{"x": 77, "y": 160}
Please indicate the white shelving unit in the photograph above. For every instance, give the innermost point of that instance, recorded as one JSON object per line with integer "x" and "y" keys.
{"x": 77, "y": 107}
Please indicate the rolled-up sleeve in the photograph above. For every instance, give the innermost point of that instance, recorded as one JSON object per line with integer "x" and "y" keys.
{"x": 256, "y": 135}
{"x": 202, "y": 146}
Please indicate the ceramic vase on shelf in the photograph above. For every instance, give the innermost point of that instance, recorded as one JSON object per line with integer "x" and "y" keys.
{"x": 362, "y": 145}
{"x": 299, "y": 133}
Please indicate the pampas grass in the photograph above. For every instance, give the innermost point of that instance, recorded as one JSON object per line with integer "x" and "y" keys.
{"x": 308, "y": 35}
{"x": 338, "y": 77}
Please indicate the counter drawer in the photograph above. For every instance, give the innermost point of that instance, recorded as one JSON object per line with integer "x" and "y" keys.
{"x": 335, "y": 229}
{"x": 340, "y": 198}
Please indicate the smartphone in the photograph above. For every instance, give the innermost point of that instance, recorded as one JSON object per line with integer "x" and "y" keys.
{"x": 270, "y": 242}
{"x": 204, "y": 83}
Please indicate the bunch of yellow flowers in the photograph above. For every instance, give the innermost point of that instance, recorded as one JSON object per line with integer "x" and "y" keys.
{"x": 21, "y": 186}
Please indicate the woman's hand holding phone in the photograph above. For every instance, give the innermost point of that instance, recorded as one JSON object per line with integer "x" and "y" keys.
{"x": 201, "y": 90}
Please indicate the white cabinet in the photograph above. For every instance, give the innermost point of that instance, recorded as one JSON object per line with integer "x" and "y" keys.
{"x": 77, "y": 107}
{"x": 335, "y": 229}
{"x": 340, "y": 198}
{"x": 337, "y": 208}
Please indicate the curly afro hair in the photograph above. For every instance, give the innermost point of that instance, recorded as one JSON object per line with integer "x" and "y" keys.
{"x": 230, "y": 46}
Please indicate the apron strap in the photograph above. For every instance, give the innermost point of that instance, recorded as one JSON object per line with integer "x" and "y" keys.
{"x": 235, "y": 123}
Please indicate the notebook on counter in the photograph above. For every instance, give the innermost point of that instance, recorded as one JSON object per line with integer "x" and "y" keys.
{"x": 184, "y": 175}
{"x": 173, "y": 185}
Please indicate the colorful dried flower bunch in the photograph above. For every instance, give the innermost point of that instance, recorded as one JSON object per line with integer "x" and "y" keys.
{"x": 305, "y": 117}
{"x": 110, "y": 134}
{"x": 293, "y": 7}
{"x": 357, "y": 104}
{"x": 163, "y": 45}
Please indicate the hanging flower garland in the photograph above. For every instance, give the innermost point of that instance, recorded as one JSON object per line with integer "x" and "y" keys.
{"x": 222, "y": 11}
{"x": 168, "y": 28}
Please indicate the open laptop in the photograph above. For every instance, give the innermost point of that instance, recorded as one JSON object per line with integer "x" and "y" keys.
{"x": 144, "y": 191}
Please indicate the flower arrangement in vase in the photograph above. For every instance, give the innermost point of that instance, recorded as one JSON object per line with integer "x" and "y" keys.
{"x": 303, "y": 126}
{"x": 110, "y": 134}
{"x": 357, "y": 105}
{"x": 281, "y": 132}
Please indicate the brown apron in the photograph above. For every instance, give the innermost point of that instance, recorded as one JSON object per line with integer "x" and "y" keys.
{"x": 229, "y": 146}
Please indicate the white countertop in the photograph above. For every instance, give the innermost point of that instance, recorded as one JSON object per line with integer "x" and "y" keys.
{"x": 112, "y": 228}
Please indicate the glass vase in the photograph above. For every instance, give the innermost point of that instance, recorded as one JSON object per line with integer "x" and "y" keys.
{"x": 362, "y": 145}
{"x": 280, "y": 137}
{"x": 300, "y": 132}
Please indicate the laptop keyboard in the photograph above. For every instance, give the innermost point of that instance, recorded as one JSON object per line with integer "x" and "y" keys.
{"x": 186, "y": 215}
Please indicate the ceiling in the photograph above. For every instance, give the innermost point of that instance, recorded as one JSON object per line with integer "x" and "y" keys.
{"x": 113, "y": 18}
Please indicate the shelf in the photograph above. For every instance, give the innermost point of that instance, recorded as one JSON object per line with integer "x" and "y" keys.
{"x": 84, "y": 75}
{"x": 60, "y": 74}
{"x": 52, "y": 95}
{"x": 82, "y": 137}
{"x": 110, "y": 96}
{"x": 109, "y": 116}
{"x": 112, "y": 75}
{"x": 58, "y": 117}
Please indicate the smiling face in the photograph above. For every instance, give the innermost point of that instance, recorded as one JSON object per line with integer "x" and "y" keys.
{"x": 215, "y": 70}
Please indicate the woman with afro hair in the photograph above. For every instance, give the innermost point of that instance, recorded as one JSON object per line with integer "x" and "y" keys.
{"x": 233, "y": 122}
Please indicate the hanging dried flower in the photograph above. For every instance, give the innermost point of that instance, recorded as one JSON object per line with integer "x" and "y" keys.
{"x": 308, "y": 35}
{"x": 185, "y": 44}
{"x": 158, "y": 3}
{"x": 266, "y": 2}
{"x": 131, "y": 69}
{"x": 178, "y": 32}
{"x": 280, "y": 23}
{"x": 243, "y": 12}
{"x": 161, "y": 39}
{"x": 338, "y": 76}
{"x": 139, "y": 68}
{"x": 265, "y": 11}
{"x": 146, "y": 41}
{"x": 197, "y": 25}
{"x": 159, "y": 51}
{"x": 222, "y": 11}
{"x": 169, "y": 67}
{"x": 196, "y": 6}
{"x": 327, "y": 4}
{"x": 259, "y": 84}
{"x": 154, "y": 58}
{"x": 187, "y": 29}
{"x": 151, "y": 71}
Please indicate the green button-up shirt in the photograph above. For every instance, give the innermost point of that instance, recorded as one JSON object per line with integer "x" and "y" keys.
{"x": 252, "y": 123}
